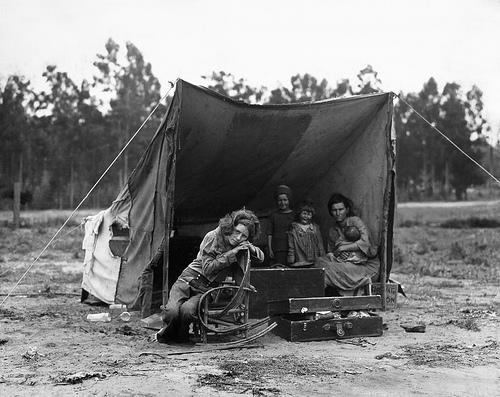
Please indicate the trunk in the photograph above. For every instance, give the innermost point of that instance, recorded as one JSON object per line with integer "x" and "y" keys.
{"x": 459, "y": 194}
{"x": 425, "y": 175}
{"x": 123, "y": 171}
{"x": 300, "y": 283}
{"x": 447, "y": 185}
{"x": 433, "y": 183}
{"x": 17, "y": 205}
{"x": 125, "y": 168}
{"x": 491, "y": 170}
{"x": 20, "y": 177}
{"x": 71, "y": 185}
{"x": 300, "y": 319}
{"x": 17, "y": 194}
{"x": 12, "y": 171}
{"x": 125, "y": 154}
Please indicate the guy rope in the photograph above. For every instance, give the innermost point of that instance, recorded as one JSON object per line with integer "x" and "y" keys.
{"x": 88, "y": 193}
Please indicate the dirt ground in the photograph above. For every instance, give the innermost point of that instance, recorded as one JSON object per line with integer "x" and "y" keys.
{"x": 450, "y": 276}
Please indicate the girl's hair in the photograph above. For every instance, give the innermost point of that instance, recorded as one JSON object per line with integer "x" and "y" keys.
{"x": 243, "y": 217}
{"x": 306, "y": 205}
{"x": 336, "y": 198}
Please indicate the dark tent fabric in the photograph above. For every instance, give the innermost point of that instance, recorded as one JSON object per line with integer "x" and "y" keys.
{"x": 212, "y": 155}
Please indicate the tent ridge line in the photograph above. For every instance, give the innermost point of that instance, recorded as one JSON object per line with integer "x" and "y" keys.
{"x": 285, "y": 105}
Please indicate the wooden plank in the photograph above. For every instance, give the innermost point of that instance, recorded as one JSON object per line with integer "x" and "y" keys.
{"x": 312, "y": 305}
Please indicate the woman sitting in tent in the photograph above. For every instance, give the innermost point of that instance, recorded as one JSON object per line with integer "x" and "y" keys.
{"x": 351, "y": 260}
{"x": 218, "y": 251}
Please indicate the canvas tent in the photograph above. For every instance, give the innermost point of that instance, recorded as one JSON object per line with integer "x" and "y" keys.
{"x": 212, "y": 155}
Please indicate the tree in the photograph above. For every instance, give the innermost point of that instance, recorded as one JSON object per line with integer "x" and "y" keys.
{"x": 62, "y": 122}
{"x": 368, "y": 81}
{"x": 307, "y": 88}
{"x": 238, "y": 89}
{"x": 426, "y": 162}
{"x": 15, "y": 131}
{"x": 134, "y": 91}
{"x": 304, "y": 88}
{"x": 454, "y": 122}
{"x": 343, "y": 89}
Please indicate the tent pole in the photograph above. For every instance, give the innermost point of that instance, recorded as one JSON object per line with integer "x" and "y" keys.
{"x": 169, "y": 215}
{"x": 388, "y": 208}
{"x": 165, "y": 267}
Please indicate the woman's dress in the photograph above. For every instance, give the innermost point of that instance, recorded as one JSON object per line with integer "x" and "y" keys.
{"x": 361, "y": 265}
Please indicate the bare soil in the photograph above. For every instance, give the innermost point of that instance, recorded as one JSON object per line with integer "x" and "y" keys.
{"x": 451, "y": 278}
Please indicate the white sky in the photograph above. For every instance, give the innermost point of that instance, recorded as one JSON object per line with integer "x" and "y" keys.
{"x": 265, "y": 42}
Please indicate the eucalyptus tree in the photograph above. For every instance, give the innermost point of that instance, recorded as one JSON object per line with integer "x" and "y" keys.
{"x": 128, "y": 92}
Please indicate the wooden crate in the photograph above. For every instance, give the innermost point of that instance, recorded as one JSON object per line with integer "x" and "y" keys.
{"x": 391, "y": 294}
{"x": 279, "y": 284}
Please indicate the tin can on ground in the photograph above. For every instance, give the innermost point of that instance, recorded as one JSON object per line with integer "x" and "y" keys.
{"x": 99, "y": 317}
{"x": 125, "y": 316}
{"x": 117, "y": 306}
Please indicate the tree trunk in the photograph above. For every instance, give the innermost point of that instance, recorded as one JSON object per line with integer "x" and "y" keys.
{"x": 433, "y": 184}
{"x": 447, "y": 185}
{"x": 20, "y": 178}
{"x": 460, "y": 193}
{"x": 425, "y": 175}
{"x": 125, "y": 168}
{"x": 17, "y": 205}
{"x": 491, "y": 170}
{"x": 125, "y": 154}
{"x": 71, "y": 185}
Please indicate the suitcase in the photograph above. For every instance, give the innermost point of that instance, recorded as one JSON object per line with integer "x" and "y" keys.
{"x": 279, "y": 284}
{"x": 308, "y": 319}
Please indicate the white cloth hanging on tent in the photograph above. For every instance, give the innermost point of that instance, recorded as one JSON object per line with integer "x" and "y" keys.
{"x": 100, "y": 266}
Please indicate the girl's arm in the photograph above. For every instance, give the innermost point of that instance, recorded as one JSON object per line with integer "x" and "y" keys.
{"x": 270, "y": 232}
{"x": 291, "y": 248}
{"x": 270, "y": 246}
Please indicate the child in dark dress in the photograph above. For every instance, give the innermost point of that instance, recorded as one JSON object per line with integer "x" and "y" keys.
{"x": 279, "y": 223}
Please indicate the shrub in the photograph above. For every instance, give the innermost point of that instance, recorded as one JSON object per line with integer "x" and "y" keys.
{"x": 472, "y": 222}
{"x": 409, "y": 223}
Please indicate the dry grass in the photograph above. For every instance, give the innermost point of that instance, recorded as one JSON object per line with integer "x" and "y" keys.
{"x": 449, "y": 253}
{"x": 54, "y": 218}
{"x": 450, "y": 355}
{"x": 242, "y": 375}
{"x": 435, "y": 213}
